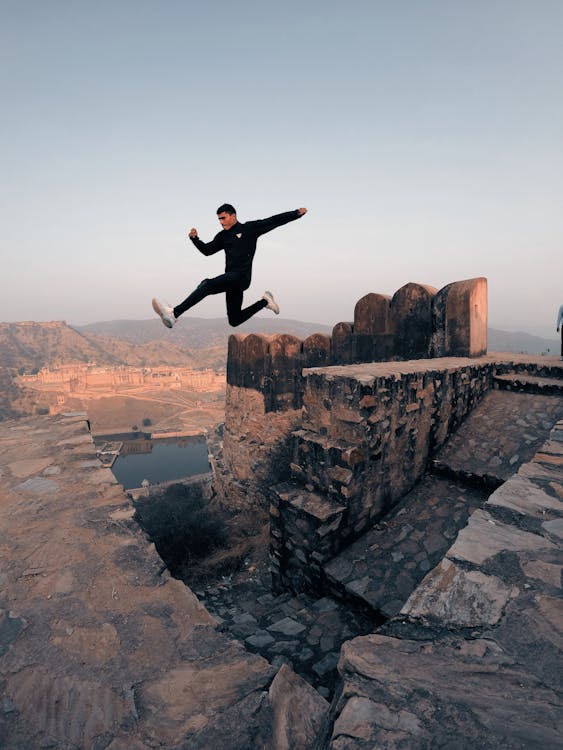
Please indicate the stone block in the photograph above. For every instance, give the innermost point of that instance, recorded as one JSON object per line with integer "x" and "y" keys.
{"x": 343, "y": 344}
{"x": 283, "y": 388}
{"x": 247, "y": 360}
{"x": 298, "y": 711}
{"x": 484, "y": 537}
{"x": 317, "y": 350}
{"x": 373, "y": 328}
{"x": 411, "y": 314}
{"x": 460, "y": 319}
{"x": 456, "y": 597}
{"x": 372, "y": 315}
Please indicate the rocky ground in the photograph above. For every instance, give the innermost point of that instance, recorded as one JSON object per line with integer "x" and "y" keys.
{"x": 303, "y": 631}
{"x": 100, "y": 648}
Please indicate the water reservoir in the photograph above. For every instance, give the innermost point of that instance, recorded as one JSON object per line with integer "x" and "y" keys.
{"x": 160, "y": 461}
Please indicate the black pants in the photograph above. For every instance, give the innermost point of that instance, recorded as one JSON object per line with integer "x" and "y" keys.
{"x": 233, "y": 284}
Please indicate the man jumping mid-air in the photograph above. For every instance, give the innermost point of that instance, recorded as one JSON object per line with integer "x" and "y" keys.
{"x": 239, "y": 243}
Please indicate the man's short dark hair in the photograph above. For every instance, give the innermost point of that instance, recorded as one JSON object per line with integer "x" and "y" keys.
{"x": 227, "y": 209}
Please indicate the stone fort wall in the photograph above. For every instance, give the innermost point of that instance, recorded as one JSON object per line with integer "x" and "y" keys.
{"x": 265, "y": 382}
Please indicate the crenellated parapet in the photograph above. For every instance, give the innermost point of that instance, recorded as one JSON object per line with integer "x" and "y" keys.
{"x": 266, "y": 380}
{"x": 417, "y": 322}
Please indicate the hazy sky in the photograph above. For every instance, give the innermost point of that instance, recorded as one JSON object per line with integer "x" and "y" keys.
{"x": 424, "y": 136}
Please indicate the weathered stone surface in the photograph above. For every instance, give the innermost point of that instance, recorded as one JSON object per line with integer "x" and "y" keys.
{"x": 185, "y": 699}
{"x": 521, "y": 495}
{"x": 98, "y": 647}
{"x": 316, "y": 350}
{"x": 404, "y": 693}
{"x": 529, "y": 384}
{"x": 453, "y": 596}
{"x": 256, "y": 447}
{"x": 484, "y": 537}
{"x": 298, "y": 711}
{"x": 460, "y": 319}
{"x": 502, "y": 432}
{"x": 384, "y": 566}
{"x": 411, "y": 312}
{"x": 287, "y": 626}
{"x": 342, "y": 344}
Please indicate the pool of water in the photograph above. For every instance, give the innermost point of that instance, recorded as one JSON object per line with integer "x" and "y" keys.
{"x": 160, "y": 461}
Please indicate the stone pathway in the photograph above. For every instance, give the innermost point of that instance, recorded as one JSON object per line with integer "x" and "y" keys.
{"x": 503, "y": 432}
{"x": 385, "y": 565}
{"x": 302, "y": 631}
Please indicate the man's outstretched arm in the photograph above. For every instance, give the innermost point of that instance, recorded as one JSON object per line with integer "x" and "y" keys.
{"x": 207, "y": 248}
{"x": 261, "y": 226}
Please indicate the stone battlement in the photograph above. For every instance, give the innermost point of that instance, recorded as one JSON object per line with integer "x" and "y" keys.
{"x": 417, "y": 322}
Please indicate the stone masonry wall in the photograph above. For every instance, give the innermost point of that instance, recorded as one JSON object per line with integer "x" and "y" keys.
{"x": 255, "y": 450}
{"x": 367, "y": 434}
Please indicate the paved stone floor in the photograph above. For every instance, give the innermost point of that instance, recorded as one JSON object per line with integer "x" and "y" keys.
{"x": 385, "y": 565}
{"x": 302, "y": 631}
{"x": 503, "y": 432}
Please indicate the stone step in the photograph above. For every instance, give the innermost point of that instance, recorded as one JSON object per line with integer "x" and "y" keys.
{"x": 384, "y": 566}
{"x": 328, "y": 466}
{"x": 524, "y": 383}
{"x": 305, "y": 532}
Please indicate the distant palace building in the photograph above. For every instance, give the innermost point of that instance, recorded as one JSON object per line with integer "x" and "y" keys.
{"x": 82, "y": 378}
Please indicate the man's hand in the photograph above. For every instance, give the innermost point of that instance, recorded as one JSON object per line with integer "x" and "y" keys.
{"x": 193, "y": 233}
{"x": 302, "y": 211}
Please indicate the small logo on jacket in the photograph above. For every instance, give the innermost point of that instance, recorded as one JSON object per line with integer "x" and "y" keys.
{"x": 239, "y": 235}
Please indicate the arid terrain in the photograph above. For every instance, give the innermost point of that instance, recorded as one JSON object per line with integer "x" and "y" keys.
{"x": 172, "y": 400}
{"x": 126, "y": 375}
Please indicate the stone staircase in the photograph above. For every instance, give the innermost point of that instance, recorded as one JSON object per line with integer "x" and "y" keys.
{"x": 377, "y": 553}
{"x": 525, "y": 382}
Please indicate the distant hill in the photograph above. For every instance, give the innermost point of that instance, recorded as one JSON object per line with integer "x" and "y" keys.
{"x": 30, "y": 346}
{"x": 198, "y": 333}
{"x": 520, "y": 343}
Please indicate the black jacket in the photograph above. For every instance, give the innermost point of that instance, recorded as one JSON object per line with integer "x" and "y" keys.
{"x": 239, "y": 242}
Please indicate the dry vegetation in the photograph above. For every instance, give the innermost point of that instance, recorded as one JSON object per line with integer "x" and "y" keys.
{"x": 199, "y": 540}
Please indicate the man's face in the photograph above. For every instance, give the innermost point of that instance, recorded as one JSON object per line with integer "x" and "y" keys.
{"x": 227, "y": 220}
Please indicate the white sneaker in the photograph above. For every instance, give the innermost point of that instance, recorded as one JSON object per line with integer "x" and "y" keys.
{"x": 165, "y": 311}
{"x": 272, "y": 304}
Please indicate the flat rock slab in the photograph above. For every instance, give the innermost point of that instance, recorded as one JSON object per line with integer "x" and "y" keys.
{"x": 385, "y": 565}
{"x": 411, "y": 694}
{"x": 97, "y": 647}
{"x": 501, "y": 433}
